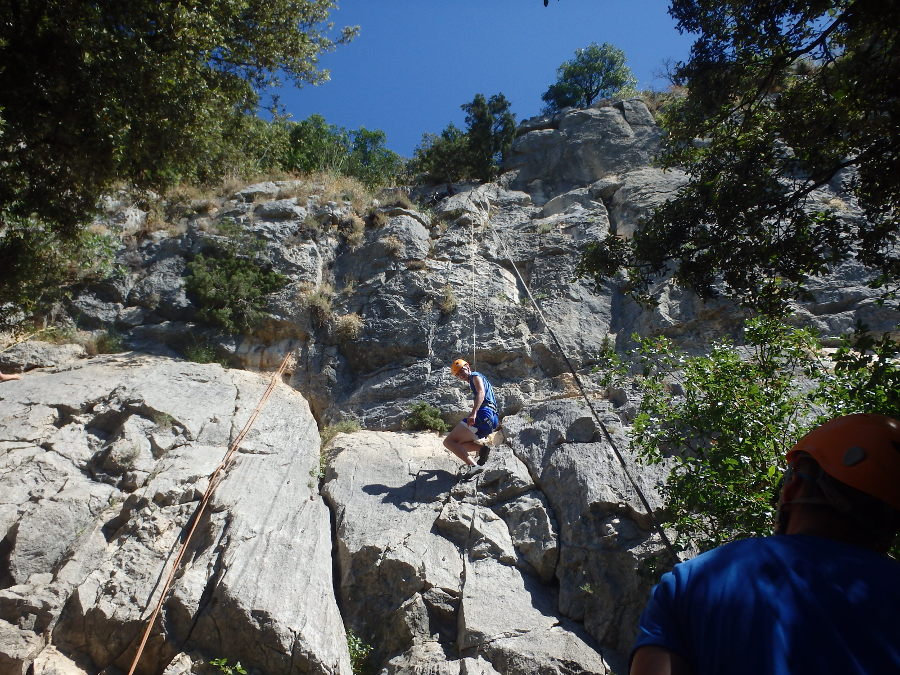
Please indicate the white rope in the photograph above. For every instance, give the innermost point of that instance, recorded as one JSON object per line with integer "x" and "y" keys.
{"x": 472, "y": 247}
{"x": 587, "y": 400}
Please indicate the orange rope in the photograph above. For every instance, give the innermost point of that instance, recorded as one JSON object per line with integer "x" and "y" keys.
{"x": 214, "y": 480}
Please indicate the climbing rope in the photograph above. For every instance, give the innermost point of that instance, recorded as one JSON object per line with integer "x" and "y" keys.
{"x": 472, "y": 249}
{"x": 214, "y": 480}
{"x": 609, "y": 438}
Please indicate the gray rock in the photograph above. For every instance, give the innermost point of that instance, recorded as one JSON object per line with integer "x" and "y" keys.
{"x": 36, "y": 354}
{"x": 588, "y": 145}
{"x": 604, "y": 530}
{"x": 97, "y": 486}
{"x": 639, "y": 192}
{"x": 268, "y": 189}
{"x": 280, "y": 209}
{"x": 162, "y": 290}
{"x": 437, "y": 559}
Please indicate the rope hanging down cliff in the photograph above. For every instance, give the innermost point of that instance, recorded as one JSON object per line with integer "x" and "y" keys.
{"x": 619, "y": 456}
{"x": 214, "y": 480}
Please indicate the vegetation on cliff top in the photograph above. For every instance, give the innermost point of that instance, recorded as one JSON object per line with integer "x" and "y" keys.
{"x": 786, "y": 98}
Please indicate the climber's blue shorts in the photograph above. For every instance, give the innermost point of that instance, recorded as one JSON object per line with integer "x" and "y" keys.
{"x": 486, "y": 422}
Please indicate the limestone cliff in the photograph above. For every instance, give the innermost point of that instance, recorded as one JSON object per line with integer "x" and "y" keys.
{"x": 535, "y": 567}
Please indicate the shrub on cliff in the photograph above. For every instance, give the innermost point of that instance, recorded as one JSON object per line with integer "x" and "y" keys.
{"x": 425, "y": 417}
{"x": 230, "y": 285}
{"x": 725, "y": 420}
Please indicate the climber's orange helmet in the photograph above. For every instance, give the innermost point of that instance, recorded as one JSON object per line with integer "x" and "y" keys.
{"x": 458, "y": 365}
{"x": 860, "y": 450}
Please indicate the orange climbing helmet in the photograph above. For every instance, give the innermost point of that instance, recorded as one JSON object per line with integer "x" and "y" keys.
{"x": 860, "y": 450}
{"x": 458, "y": 365}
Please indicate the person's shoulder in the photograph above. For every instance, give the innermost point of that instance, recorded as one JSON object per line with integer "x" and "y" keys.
{"x": 726, "y": 554}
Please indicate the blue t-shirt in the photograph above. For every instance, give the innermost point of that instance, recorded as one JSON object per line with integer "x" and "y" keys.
{"x": 489, "y": 399}
{"x": 781, "y": 605}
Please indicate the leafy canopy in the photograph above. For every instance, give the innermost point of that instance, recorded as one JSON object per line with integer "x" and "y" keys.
{"x": 144, "y": 92}
{"x": 787, "y": 98}
{"x": 597, "y": 71}
{"x": 723, "y": 421}
{"x": 316, "y": 145}
{"x": 474, "y": 154}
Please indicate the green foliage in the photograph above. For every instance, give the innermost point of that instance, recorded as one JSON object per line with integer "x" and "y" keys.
{"x": 142, "y": 92}
{"x": 36, "y": 263}
{"x": 359, "y": 653}
{"x": 342, "y": 427}
{"x": 726, "y": 419}
{"x": 597, "y": 71}
{"x": 788, "y": 97}
{"x": 223, "y": 667}
{"x": 203, "y": 351}
{"x": 444, "y": 158}
{"x": 865, "y": 377}
{"x": 474, "y": 154}
{"x": 230, "y": 285}
{"x": 425, "y": 417}
{"x": 316, "y": 145}
{"x": 136, "y": 91}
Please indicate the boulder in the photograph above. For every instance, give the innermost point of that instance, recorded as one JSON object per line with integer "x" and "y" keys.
{"x": 103, "y": 468}
{"x": 422, "y": 559}
{"x": 36, "y": 354}
{"x": 588, "y": 145}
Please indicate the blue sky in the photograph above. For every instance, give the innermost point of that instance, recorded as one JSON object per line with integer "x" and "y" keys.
{"x": 416, "y": 61}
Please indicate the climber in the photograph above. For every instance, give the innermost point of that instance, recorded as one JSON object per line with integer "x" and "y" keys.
{"x": 483, "y": 420}
{"x": 820, "y": 596}
{"x": 7, "y": 378}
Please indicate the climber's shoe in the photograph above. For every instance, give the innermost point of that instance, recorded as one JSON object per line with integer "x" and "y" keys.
{"x": 483, "y": 455}
{"x": 473, "y": 470}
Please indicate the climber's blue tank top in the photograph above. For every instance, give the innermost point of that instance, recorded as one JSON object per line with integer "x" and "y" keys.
{"x": 489, "y": 400}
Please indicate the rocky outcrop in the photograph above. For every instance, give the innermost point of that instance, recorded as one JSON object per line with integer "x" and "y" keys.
{"x": 582, "y": 147}
{"x": 102, "y": 465}
{"x": 425, "y": 560}
{"x": 537, "y": 566}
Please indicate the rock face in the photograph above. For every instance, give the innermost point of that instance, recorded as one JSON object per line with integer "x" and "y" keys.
{"x": 424, "y": 559}
{"x": 102, "y": 467}
{"x": 534, "y": 567}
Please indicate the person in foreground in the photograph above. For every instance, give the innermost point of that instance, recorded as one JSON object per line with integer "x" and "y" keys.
{"x": 820, "y": 596}
{"x": 481, "y": 422}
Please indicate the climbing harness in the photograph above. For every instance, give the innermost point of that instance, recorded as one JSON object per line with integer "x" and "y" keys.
{"x": 214, "y": 480}
{"x": 637, "y": 489}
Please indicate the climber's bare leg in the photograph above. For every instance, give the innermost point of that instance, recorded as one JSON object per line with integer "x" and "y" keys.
{"x": 461, "y": 441}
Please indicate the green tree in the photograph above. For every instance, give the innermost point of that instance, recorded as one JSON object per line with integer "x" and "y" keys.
{"x": 474, "y": 154}
{"x": 491, "y": 129}
{"x": 316, "y": 145}
{"x": 724, "y": 421}
{"x": 788, "y": 98}
{"x": 442, "y": 158}
{"x": 369, "y": 160}
{"x": 597, "y": 71}
{"x": 140, "y": 91}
